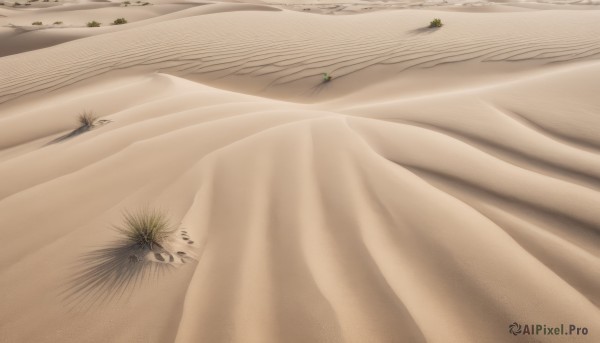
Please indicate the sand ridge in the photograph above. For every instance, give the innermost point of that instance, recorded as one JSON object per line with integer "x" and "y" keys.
{"x": 193, "y": 48}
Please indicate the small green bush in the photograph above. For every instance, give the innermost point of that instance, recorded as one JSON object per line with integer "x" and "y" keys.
{"x": 120, "y": 21}
{"x": 326, "y": 77}
{"x": 36, "y": 23}
{"x": 437, "y": 22}
{"x": 93, "y": 23}
{"x": 57, "y": 22}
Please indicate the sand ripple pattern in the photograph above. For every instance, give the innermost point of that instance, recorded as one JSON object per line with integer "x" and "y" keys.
{"x": 273, "y": 53}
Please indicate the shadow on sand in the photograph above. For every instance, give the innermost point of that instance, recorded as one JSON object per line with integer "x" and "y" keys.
{"x": 71, "y": 134}
{"x": 423, "y": 30}
{"x": 111, "y": 273}
{"x": 80, "y": 130}
{"x": 316, "y": 90}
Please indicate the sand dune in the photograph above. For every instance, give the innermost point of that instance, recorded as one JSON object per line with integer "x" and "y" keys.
{"x": 262, "y": 60}
{"x": 444, "y": 184}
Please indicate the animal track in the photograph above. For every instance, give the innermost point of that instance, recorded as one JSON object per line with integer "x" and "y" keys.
{"x": 165, "y": 254}
{"x": 186, "y": 237}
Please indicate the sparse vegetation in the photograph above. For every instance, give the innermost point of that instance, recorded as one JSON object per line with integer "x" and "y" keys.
{"x": 119, "y": 21}
{"x": 437, "y": 22}
{"x": 146, "y": 228}
{"x": 137, "y": 3}
{"x": 326, "y": 77}
{"x": 87, "y": 120}
{"x": 57, "y": 22}
{"x": 36, "y": 23}
{"x": 93, "y": 23}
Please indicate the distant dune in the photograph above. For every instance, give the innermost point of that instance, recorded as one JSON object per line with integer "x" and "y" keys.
{"x": 443, "y": 184}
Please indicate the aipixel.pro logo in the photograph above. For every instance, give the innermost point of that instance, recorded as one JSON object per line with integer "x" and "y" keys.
{"x": 547, "y": 330}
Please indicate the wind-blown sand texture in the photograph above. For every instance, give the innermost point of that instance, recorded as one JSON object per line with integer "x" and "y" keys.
{"x": 444, "y": 184}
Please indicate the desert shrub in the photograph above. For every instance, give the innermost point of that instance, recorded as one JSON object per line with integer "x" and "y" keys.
{"x": 93, "y": 23}
{"x": 437, "y": 22}
{"x": 87, "y": 119}
{"x": 146, "y": 228}
{"x": 119, "y": 21}
{"x": 58, "y": 22}
{"x": 326, "y": 77}
{"x": 36, "y": 23}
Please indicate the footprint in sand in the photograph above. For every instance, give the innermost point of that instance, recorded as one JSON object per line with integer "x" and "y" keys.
{"x": 176, "y": 256}
{"x": 163, "y": 256}
{"x": 185, "y": 237}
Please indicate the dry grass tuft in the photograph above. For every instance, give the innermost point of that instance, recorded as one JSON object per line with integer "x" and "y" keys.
{"x": 87, "y": 119}
{"x": 146, "y": 228}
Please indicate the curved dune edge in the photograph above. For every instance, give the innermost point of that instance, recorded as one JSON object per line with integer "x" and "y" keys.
{"x": 19, "y": 36}
{"x": 251, "y": 52}
{"x": 440, "y": 218}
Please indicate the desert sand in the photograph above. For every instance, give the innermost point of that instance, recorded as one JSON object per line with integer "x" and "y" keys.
{"x": 444, "y": 183}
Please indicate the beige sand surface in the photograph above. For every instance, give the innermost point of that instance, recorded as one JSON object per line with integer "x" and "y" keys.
{"x": 444, "y": 184}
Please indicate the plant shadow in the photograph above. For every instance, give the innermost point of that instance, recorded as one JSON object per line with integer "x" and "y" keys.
{"x": 74, "y": 133}
{"x": 317, "y": 89}
{"x": 79, "y": 131}
{"x": 423, "y": 30}
{"x": 111, "y": 273}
